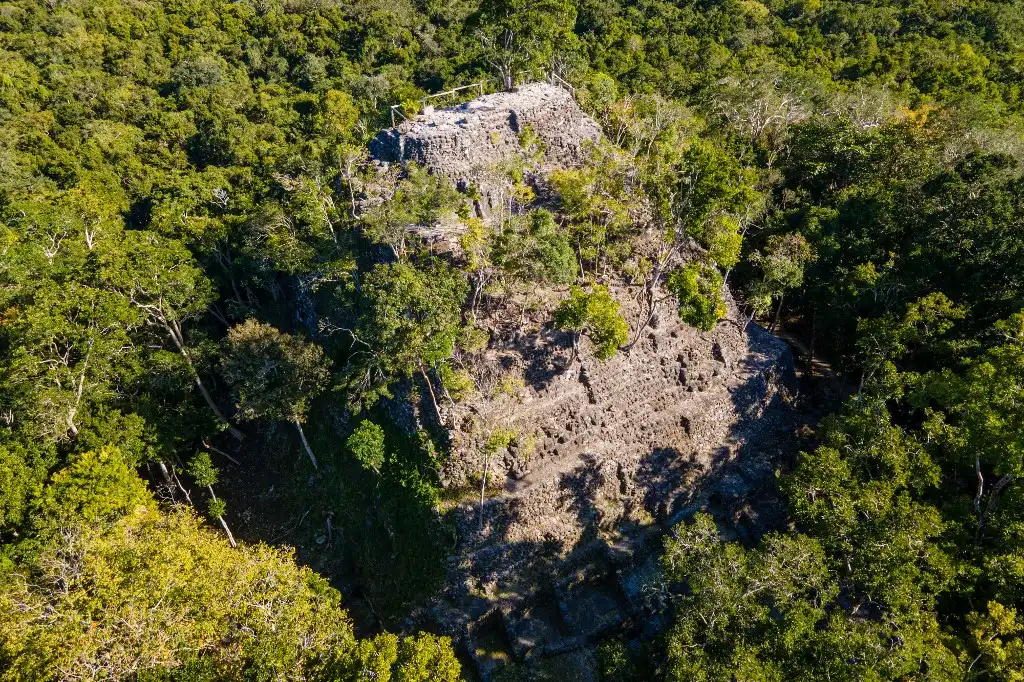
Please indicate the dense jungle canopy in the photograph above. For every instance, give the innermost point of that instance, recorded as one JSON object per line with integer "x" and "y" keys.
{"x": 207, "y": 290}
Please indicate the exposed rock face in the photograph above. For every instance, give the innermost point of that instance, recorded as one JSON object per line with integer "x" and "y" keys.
{"x": 465, "y": 141}
{"x": 677, "y": 388}
{"x": 607, "y": 457}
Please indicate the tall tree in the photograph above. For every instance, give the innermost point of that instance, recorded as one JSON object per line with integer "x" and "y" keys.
{"x": 273, "y": 375}
{"x": 782, "y": 265}
{"x": 520, "y": 36}
{"x": 410, "y": 321}
{"x": 118, "y": 590}
{"x": 71, "y": 341}
{"x": 161, "y": 279}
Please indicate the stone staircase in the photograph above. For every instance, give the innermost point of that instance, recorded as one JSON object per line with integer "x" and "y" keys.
{"x": 567, "y": 551}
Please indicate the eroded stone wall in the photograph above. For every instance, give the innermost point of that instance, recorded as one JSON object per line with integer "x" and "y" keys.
{"x": 607, "y": 456}
{"x": 469, "y": 140}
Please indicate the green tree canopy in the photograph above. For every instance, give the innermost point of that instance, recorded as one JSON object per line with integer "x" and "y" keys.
{"x": 367, "y": 444}
{"x": 518, "y": 36}
{"x": 597, "y": 314}
{"x": 118, "y": 589}
{"x": 410, "y": 320}
{"x": 273, "y": 375}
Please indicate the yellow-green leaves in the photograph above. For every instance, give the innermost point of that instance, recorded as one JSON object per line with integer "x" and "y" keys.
{"x": 366, "y": 443}
{"x": 532, "y": 248}
{"x": 999, "y": 642}
{"x": 597, "y": 314}
{"x": 698, "y": 290}
{"x": 418, "y": 200}
{"x": 597, "y": 200}
{"x": 117, "y": 590}
{"x": 158, "y": 590}
{"x": 95, "y": 489}
{"x": 337, "y": 114}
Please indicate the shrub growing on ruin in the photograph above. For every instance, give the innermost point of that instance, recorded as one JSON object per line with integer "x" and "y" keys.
{"x": 596, "y": 314}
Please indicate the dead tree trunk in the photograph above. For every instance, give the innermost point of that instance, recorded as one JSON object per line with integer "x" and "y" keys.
{"x": 778, "y": 311}
{"x": 168, "y": 481}
{"x": 73, "y": 412}
{"x": 223, "y": 523}
{"x": 433, "y": 397}
{"x": 993, "y": 496}
{"x": 483, "y": 490}
{"x": 188, "y": 498}
{"x": 305, "y": 443}
{"x": 650, "y": 294}
{"x": 174, "y": 331}
{"x": 220, "y": 452}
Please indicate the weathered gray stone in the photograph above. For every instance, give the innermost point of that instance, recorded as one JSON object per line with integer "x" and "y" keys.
{"x": 460, "y": 142}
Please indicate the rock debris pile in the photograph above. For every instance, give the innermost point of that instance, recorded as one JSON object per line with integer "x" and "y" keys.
{"x": 606, "y": 458}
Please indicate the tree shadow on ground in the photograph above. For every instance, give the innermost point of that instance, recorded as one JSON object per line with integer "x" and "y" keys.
{"x": 377, "y": 537}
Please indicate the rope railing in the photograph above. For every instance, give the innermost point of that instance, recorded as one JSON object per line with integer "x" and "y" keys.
{"x": 549, "y": 76}
{"x": 479, "y": 85}
{"x": 555, "y": 79}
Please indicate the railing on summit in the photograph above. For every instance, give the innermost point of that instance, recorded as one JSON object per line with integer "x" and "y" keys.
{"x": 550, "y": 76}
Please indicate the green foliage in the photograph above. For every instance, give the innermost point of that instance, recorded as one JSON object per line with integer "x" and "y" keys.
{"x": 424, "y": 658}
{"x": 532, "y": 248}
{"x": 23, "y": 467}
{"x": 160, "y": 594}
{"x": 498, "y": 440}
{"x": 861, "y": 493}
{"x": 974, "y": 419}
{"x": 96, "y": 488}
{"x": 392, "y": 530}
{"x": 71, "y": 347}
{"x": 999, "y": 643}
{"x": 615, "y": 662}
{"x": 597, "y": 314}
{"x": 201, "y": 469}
{"x": 170, "y": 172}
{"x": 367, "y": 445}
{"x": 698, "y": 289}
{"x": 410, "y": 320}
{"x": 273, "y": 375}
{"x": 773, "y": 613}
{"x": 782, "y": 267}
{"x": 521, "y": 36}
{"x": 420, "y": 199}
{"x": 216, "y": 507}
{"x": 712, "y": 190}
{"x": 883, "y": 340}
{"x": 596, "y": 200}
{"x": 458, "y": 382}
{"x": 190, "y": 598}
{"x": 897, "y": 224}
{"x": 981, "y": 401}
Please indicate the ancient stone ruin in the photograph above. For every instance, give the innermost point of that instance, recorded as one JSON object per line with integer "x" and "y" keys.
{"x": 461, "y": 141}
{"x": 599, "y": 459}
{"x": 606, "y": 458}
